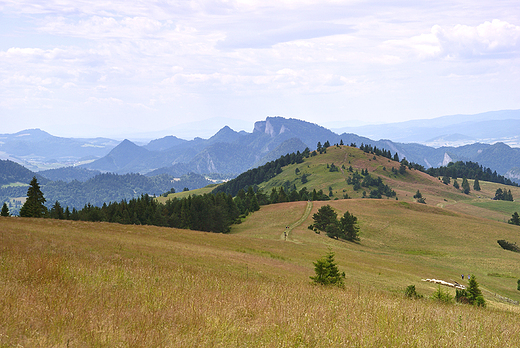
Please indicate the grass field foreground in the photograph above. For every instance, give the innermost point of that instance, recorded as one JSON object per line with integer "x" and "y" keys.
{"x": 79, "y": 284}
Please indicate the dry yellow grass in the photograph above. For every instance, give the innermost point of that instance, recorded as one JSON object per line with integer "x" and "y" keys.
{"x": 79, "y": 284}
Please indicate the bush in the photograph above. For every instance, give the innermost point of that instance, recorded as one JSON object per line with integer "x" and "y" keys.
{"x": 442, "y": 296}
{"x": 518, "y": 287}
{"x": 410, "y": 292}
{"x": 508, "y": 245}
{"x": 461, "y": 296}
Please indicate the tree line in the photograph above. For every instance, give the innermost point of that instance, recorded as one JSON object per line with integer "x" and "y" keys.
{"x": 469, "y": 170}
{"x": 208, "y": 212}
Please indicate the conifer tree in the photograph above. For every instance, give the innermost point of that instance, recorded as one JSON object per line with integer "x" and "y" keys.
{"x": 324, "y": 217}
{"x": 34, "y": 205}
{"x": 327, "y": 272}
{"x": 456, "y": 184}
{"x": 465, "y": 185}
{"x": 476, "y": 185}
{"x": 515, "y": 219}
{"x": 5, "y": 210}
{"x": 349, "y": 227}
{"x": 474, "y": 294}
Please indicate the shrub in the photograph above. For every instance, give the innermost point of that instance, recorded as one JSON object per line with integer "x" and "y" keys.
{"x": 442, "y": 296}
{"x": 461, "y": 296}
{"x": 410, "y": 292}
{"x": 508, "y": 245}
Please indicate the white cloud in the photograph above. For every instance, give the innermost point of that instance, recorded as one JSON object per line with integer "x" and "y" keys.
{"x": 489, "y": 39}
{"x": 213, "y": 58}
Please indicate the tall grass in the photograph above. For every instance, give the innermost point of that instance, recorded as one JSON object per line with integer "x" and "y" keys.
{"x": 65, "y": 284}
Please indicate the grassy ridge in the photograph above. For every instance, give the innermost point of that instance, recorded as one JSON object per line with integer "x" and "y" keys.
{"x": 99, "y": 284}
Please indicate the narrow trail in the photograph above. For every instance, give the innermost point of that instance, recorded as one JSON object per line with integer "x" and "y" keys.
{"x": 287, "y": 232}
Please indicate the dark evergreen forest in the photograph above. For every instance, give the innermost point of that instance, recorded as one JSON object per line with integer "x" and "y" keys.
{"x": 470, "y": 170}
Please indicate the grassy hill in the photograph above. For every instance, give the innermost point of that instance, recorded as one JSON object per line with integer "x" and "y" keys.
{"x": 99, "y": 284}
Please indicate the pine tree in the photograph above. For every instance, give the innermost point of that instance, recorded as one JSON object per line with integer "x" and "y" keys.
{"x": 57, "y": 211}
{"x": 349, "y": 227}
{"x": 515, "y": 219}
{"x": 474, "y": 294}
{"x": 476, "y": 185}
{"x": 327, "y": 272}
{"x": 456, "y": 184}
{"x": 34, "y": 205}
{"x": 5, "y": 210}
{"x": 465, "y": 185}
{"x": 324, "y": 217}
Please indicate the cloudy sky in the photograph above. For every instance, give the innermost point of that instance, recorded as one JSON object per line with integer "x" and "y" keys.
{"x": 106, "y": 68}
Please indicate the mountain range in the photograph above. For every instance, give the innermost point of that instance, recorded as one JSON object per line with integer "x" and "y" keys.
{"x": 230, "y": 153}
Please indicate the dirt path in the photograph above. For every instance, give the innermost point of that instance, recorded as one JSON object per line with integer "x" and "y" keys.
{"x": 287, "y": 233}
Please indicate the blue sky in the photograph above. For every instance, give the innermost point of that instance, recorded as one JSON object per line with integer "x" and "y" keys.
{"x": 87, "y": 68}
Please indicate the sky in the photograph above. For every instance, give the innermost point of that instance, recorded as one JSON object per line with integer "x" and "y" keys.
{"x": 110, "y": 68}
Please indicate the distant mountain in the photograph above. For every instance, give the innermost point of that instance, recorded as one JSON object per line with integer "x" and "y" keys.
{"x": 230, "y": 152}
{"x": 455, "y": 130}
{"x": 35, "y": 148}
{"x": 126, "y": 157}
{"x": 227, "y": 151}
{"x": 164, "y": 143}
{"x": 68, "y": 174}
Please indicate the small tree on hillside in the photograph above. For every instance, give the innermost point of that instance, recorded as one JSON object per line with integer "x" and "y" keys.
{"x": 5, "y": 210}
{"x": 456, "y": 184}
{"x": 327, "y": 272}
{"x": 324, "y": 217}
{"x": 474, "y": 294}
{"x": 349, "y": 227}
{"x": 34, "y": 205}
{"x": 476, "y": 185}
{"x": 515, "y": 219}
{"x": 465, "y": 185}
{"x": 419, "y": 197}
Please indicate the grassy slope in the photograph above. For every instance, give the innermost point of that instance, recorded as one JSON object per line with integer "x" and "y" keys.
{"x": 99, "y": 284}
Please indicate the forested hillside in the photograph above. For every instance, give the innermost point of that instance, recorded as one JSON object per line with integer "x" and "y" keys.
{"x": 12, "y": 172}
{"x": 96, "y": 190}
{"x": 69, "y": 174}
{"x": 105, "y": 188}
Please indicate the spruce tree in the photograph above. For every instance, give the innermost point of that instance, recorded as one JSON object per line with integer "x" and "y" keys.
{"x": 327, "y": 272}
{"x": 476, "y": 185}
{"x": 349, "y": 227}
{"x": 34, "y": 205}
{"x": 5, "y": 210}
{"x": 456, "y": 184}
{"x": 465, "y": 185}
{"x": 515, "y": 219}
{"x": 324, "y": 217}
{"x": 474, "y": 294}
